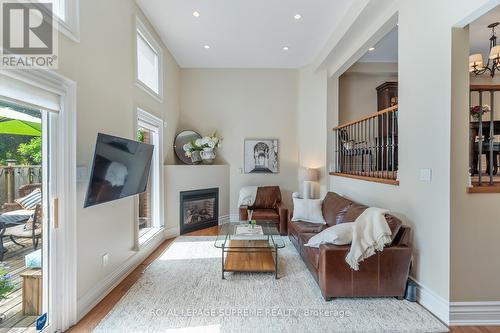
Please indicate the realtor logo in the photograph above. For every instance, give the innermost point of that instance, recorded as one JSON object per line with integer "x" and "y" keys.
{"x": 28, "y": 35}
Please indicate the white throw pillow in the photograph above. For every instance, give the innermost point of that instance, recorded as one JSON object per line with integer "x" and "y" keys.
{"x": 308, "y": 210}
{"x": 340, "y": 234}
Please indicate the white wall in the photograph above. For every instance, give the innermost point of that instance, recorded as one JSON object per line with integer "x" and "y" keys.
{"x": 241, "y": 104}
{"x": 102, "y": 65}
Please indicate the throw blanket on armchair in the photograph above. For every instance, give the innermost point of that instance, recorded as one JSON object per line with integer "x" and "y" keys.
{"x": 370, "y": 233}
{"x": 247, "y": 196}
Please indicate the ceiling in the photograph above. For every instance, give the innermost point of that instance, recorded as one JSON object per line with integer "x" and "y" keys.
{"x": 479, "y": 33}
{"x": 244, "y": 33}
{"x": 386, "y": 50}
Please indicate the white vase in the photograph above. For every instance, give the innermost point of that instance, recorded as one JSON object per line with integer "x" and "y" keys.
{"x": 208, "y": 155}
{"x": 195, "y": 157}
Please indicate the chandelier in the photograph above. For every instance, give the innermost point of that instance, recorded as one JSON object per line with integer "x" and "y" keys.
{"x": 476, "y": 64}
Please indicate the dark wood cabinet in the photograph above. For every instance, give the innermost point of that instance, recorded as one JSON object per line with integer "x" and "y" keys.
{"x": 387, "y": 95}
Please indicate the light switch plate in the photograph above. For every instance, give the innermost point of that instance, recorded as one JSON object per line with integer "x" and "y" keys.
{"x": 426, "y": 175}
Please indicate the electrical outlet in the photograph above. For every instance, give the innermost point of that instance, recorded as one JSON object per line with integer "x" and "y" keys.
{"x": 105, "y": 259}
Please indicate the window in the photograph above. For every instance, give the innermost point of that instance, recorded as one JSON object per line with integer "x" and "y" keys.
{"x": 67, "y": 14}
{"x": 59, "y": 8}
{"x": 150, "y": 203}
{"x": 149, "y": 62}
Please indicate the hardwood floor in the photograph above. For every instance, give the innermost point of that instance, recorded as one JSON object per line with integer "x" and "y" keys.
{"x": 92, "y": 319}
{"x": 475, "y": 329}
{"x": 11, "y": 306}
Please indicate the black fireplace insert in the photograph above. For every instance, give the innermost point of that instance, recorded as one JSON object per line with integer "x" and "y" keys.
{"x": 199, "y": 209}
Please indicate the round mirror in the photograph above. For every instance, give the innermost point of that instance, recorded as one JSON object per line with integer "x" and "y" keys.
{"x": 180, "y": 140}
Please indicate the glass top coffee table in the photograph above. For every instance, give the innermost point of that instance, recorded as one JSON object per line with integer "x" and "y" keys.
{"x": 246, "y": 248}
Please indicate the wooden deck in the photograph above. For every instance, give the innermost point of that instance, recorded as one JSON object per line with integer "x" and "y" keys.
{"x": 14, "y": 321}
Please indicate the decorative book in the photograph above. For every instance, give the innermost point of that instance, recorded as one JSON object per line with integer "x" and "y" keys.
{"x": 243, "y": 230}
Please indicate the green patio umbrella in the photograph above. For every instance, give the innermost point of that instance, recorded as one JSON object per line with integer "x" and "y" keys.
{"x": 18, "y": 123}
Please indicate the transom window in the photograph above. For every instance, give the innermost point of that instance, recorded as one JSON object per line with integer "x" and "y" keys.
{"x": 59, "y": 8}
{"x": 67, "y": 14}
{"x": 149, "y": 62}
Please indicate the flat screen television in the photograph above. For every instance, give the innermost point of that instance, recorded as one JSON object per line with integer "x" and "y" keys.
{"x": 120, "y": 169}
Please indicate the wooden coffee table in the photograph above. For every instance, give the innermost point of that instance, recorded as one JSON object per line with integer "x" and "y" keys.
{"x": 247, "y": 249}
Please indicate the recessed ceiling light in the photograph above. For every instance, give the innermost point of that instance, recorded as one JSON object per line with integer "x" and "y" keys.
{"x": 297, "y": 16}
{"x": 196, "y": 14}
{"x": 285, "y": 48}
{"x": 371, "y": 49}
{"x": 206, "y": 47}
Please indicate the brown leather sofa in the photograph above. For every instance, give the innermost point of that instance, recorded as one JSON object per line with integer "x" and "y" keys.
{"x": 268, "y": 207}
{"x": 383, "y": 274}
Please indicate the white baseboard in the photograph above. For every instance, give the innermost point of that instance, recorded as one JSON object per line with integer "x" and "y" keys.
{"x": 225, "y": 218}
{"x": 433, "y": 302}
{"x": 104, "y": 287}
{"x": 234, "y": 217}
{"x": 474, "y": 313}
{"x": 172, "y": 232}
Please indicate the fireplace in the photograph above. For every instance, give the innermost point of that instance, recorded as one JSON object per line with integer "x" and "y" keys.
{"x": 199, "y": 209}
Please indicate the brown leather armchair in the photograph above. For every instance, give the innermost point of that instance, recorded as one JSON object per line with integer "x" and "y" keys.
{"x": 267, "y": 207}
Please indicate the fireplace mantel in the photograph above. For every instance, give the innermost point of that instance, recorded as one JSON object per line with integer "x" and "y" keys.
{"x": 179, "y": 178}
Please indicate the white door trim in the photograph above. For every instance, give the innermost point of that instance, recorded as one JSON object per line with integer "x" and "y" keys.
{"x": 63, "y": 270}
{"x": 67, "y": 250}
{"x": 152, "y": 122}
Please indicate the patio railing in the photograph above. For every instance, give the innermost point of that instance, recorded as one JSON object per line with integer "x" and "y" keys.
{"x": 12, "y": 177}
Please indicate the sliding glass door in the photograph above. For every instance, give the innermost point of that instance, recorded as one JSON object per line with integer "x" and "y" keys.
{"x": 28, "y": 214}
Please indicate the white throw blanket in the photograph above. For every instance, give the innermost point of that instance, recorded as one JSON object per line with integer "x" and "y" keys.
{"x": 247, "y": 196}
{"x": 370, "y": 233}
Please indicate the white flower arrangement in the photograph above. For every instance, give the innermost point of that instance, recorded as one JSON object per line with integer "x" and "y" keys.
{"x": 207, "y": 142}
{"x": 189, "y": 148}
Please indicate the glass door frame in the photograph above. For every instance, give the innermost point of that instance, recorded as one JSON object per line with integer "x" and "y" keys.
{"x": 60, "y": 211}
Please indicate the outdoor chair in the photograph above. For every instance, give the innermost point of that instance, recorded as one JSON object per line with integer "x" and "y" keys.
{"x": 19, "y": 231}
{"x": 23, "y": 191}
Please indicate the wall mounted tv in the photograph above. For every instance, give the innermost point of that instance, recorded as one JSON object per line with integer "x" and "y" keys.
{"x": 120, "y": 169}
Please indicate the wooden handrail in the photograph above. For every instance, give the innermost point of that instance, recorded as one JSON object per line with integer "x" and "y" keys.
{"x": 484, "y": 87}
{"x": 369, "y": 116}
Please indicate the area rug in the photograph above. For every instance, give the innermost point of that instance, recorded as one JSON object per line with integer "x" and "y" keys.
{"x": 182, "y": 291}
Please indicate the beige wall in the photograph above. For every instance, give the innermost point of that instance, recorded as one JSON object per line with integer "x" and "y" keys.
{"x": 241, "y": 104}
{"x": 358, "y": 94}
{"x": 474, "y": 217}
{"x": 102, "y": 65}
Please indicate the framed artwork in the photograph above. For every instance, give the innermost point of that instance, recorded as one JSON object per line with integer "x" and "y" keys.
{"x": 261, "y": 156}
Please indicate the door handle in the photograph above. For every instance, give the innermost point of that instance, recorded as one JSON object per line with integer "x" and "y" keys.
{"x": 55, "y": 211}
